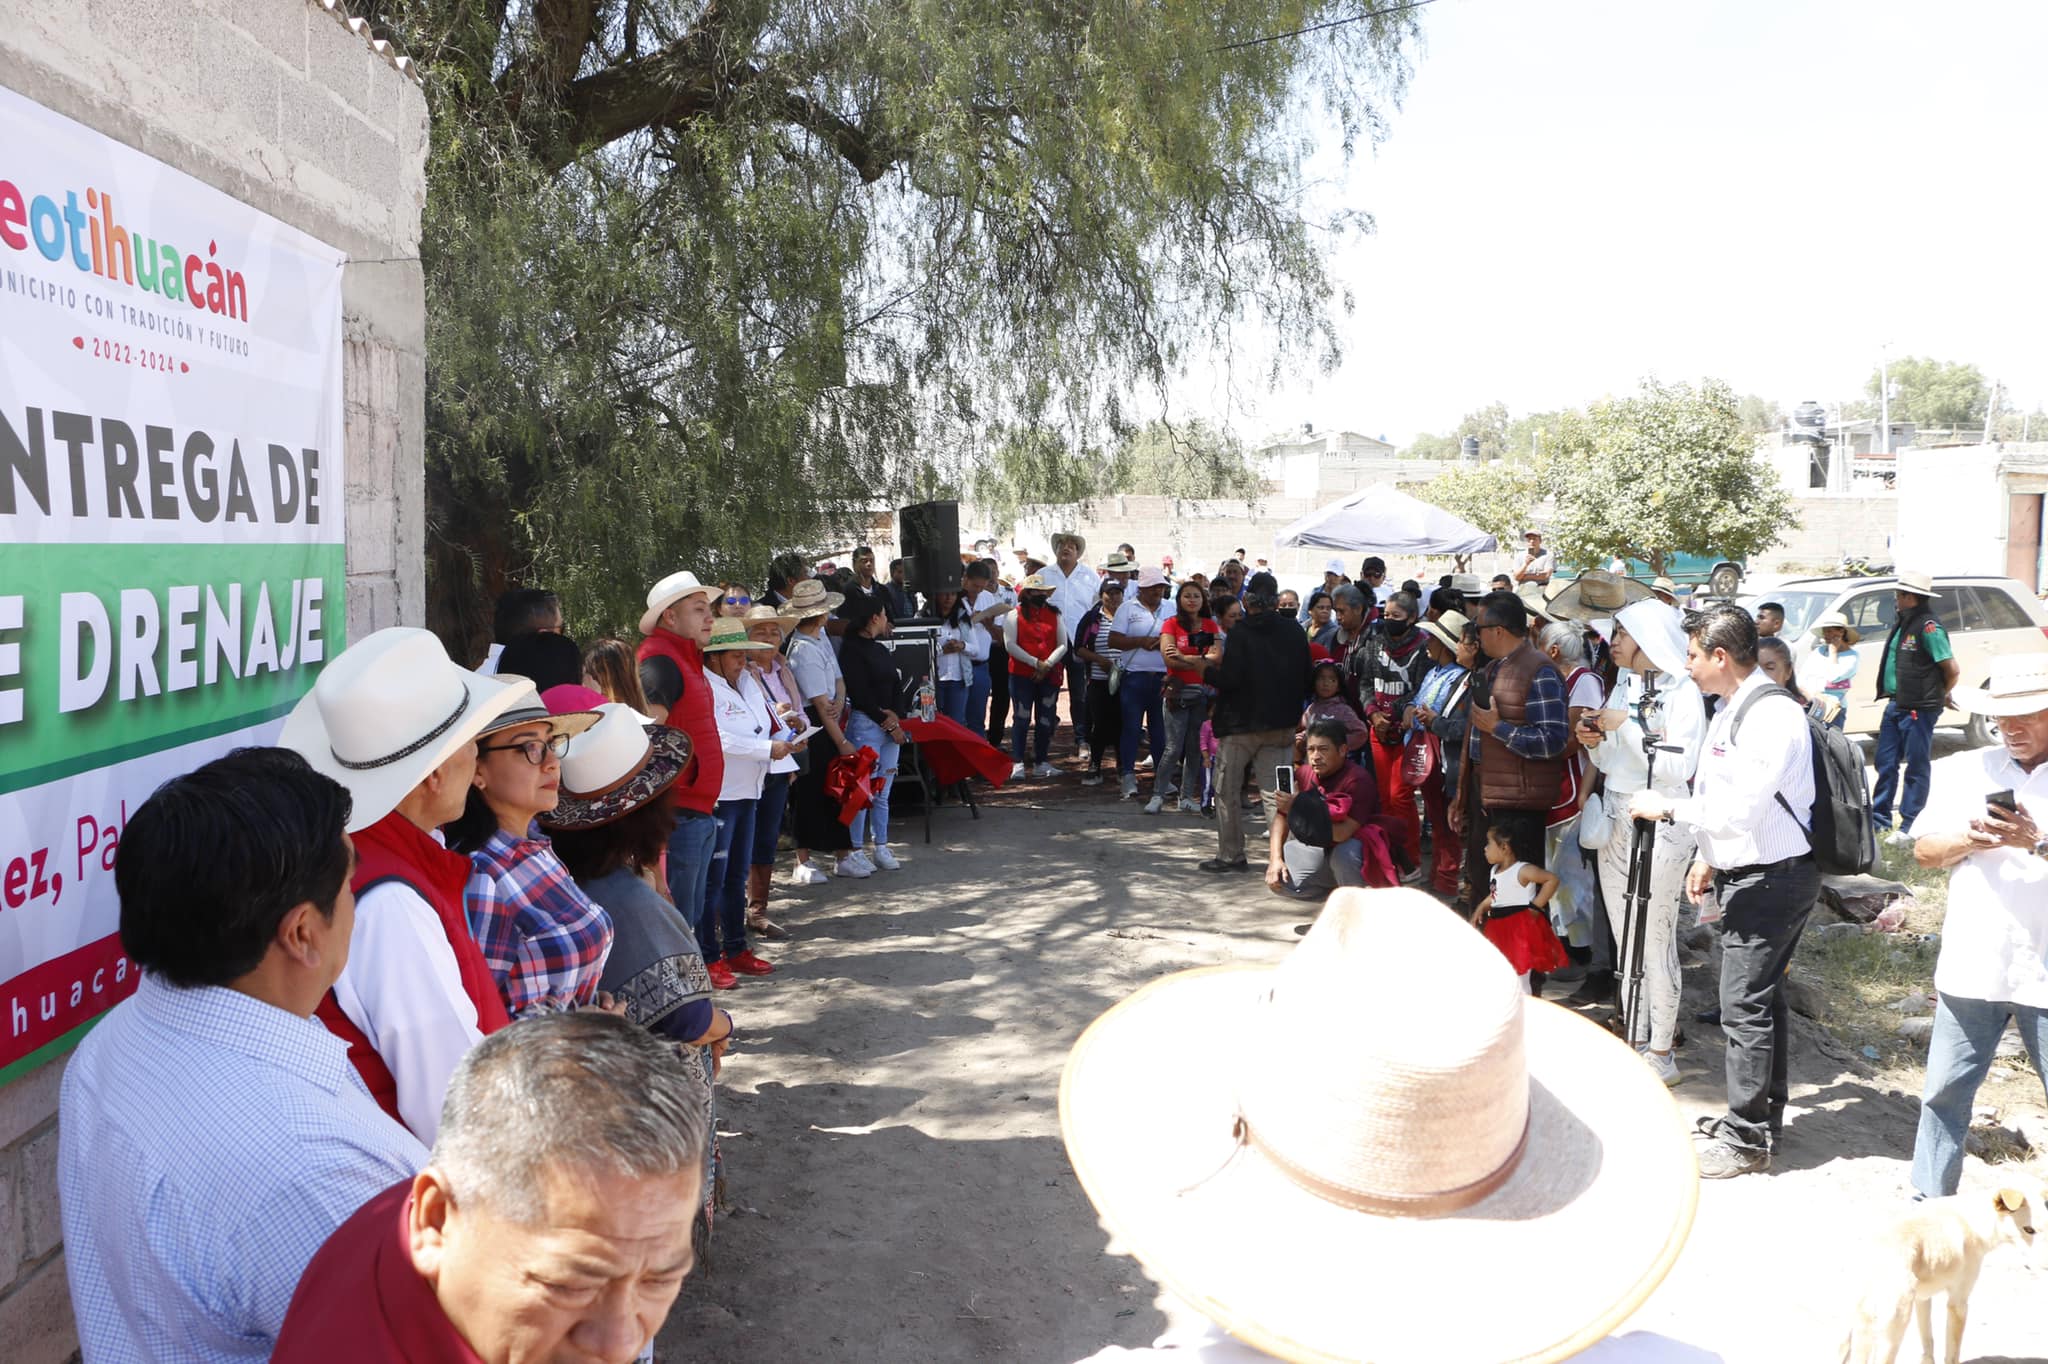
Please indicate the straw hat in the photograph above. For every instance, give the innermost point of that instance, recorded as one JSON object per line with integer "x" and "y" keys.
{"x": 1035, "y": 583}
{"x": 1665, "y": 588}
{"x": 809, "y": 598}
{"x": 1118, "y": 562}
{"x": 1532, "y": 597}
{"x": 758, "y": 613}
{"x": 2018, "y": 686}
{"x": 387, "y": 711}
{"x": 1594, "y": 594}
{"x": 1447, "y": 628}
{"x": 729, "y": 633}
{"x": 668, "y": 592}
{"x": 1918, "y": 583}
{"x": 615, "y": 767}
{"x": 1839, "y": 621}
{"x": 1323, "y": 1178}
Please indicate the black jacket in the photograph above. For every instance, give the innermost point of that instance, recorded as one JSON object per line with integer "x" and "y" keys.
{"x": 1919, "y": 683}
{"x": 1262, "y": 683}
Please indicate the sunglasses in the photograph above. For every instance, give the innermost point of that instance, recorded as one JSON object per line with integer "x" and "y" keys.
{"x": 739, "y": 601}
{"x": 537, "y": 751}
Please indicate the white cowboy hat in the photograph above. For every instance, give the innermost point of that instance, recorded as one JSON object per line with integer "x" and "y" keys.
{"x": 1447, "y": 629}
{"x": 1467, "y": 585}
{"x": 615, "y": 767}
{"x": 1323, "y": 1177}
{"x": 668, "y": 592}
{"x": 1595, "y": 593}
{"x": 1918, "y": 583}
{"x": 1117, "y": 562}
{"x": 1839, "y": 621}
{"x": 2018, "y": 685}
{"x": 387, "y": 711}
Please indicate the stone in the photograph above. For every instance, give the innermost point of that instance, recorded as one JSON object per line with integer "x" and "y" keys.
{"x": 44, "y": 1222}
{"x": 279, "y": 28}
{"x": 30, "y": 1101}
{"x": 35, "y": 1317}
{"x": 1915, "y": 1029}
{"x": 10, "y": 1216}
{"x": 1835, "y": 932}
{"x": 1803, "y": 998}
{"x": 1912, "y": 1005}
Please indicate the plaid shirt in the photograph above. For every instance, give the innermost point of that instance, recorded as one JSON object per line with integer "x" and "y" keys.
{"x": 1544, "y": 728}
{"x": 543, "y": 939}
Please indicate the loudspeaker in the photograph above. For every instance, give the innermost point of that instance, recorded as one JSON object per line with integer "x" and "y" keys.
{"x": 929, "y": 533}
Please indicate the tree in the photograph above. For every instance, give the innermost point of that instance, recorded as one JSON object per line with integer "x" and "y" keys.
{"x": 1759, "y": 416}
{"x": 1192, "y": 460}
{"x": 1932, "y": 393}
{"x": 1489, "y": 424}
{"x": 706, "y": 278}
{"x": 1427, "y": 445}
{"x": 1031, "y": 466}
{"x": 1497, "y": 497}
{"x": 1667, "y": 471}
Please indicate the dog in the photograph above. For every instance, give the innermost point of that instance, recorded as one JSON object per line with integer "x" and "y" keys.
{"x": 1936, "y": 1248}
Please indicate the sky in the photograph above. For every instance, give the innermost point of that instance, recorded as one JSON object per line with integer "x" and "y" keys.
{"x": 1576, "y": 195}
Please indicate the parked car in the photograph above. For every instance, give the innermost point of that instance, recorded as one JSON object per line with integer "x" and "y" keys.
{"x": 1719, "y": 575}
{"x": 1985, "y": 617}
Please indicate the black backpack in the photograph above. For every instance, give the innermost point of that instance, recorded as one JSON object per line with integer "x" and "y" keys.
{"x": 1844, "y": 831}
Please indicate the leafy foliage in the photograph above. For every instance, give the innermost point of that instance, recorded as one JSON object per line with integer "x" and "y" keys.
{"x": 1667, "y": 471}
{"x": 708, "y": 278}
{"x": 1495, "y": 497}
{"x": 1933, "y": 393}
{"x": 1192, "y": 460}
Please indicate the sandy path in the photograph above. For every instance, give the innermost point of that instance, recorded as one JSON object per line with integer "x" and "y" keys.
{"x": 894, "y": 1131}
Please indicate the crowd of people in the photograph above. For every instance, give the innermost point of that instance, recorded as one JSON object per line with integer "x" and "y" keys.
{"x": 458, "y": 944}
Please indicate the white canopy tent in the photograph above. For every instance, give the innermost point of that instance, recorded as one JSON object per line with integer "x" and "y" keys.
{"x": 1384, "y": 520}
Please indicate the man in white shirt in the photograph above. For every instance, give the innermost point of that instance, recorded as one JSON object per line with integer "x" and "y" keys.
{"x": 1136, "y": 630}
{"x": 1751, "y": 808}
{"x": 1537, "y": 563}
{"x": 1075, "y": 586}
{"x": 212, "y": 1133}
{"x": 1994, "y": 943}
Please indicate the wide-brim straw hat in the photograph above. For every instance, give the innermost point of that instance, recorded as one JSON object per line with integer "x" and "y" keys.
{"x": 1035, "y": 583}
{"x": 1919, "y": 584}
{"x": 1594, "y": 594}
{"x": 1387, "y": 1172}
{"x": 1533, "y": 598}
{"x": 729, "y": 633}
{"x": 616, "y": 766}
{"x": 779, "y": 614}
{"x": 668, "y": 592}
{"x": 389, "y": 710}
{"x": 810, "y": 598}
{"x": 1467, "y": 585}
{"x": 1118, "y": 563}
{"x": 1839, "y": 621}
{"x": 1664, "y": 585}
{"x": 1446, "y": 629}
{"x": 2018, "y": 685}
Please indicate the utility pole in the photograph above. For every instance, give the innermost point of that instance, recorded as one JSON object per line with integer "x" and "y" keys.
{"x": 1884, "y": 393}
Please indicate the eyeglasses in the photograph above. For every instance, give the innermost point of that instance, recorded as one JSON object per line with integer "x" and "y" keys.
{"x": 537, "y": 751}
{"x": 739, "y": 601}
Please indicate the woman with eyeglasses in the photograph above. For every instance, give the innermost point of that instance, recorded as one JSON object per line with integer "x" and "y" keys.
{"x": 543, "y": 939}
{"x": 735, "y": 601}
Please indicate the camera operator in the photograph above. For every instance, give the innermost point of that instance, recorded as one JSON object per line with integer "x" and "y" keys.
{"x": 1984, "y": 821}
{"x": 1750, "y": 808}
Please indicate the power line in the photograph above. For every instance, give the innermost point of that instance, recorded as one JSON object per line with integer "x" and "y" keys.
{"x": 1318, "y": 28}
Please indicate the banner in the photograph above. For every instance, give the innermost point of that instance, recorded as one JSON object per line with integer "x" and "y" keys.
{"x": 171, "y": 496}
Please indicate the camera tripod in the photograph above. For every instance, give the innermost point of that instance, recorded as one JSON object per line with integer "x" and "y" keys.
{"x": 1642, "y": 857}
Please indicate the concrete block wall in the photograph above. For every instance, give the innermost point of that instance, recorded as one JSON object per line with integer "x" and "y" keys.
{"x": 280, "y": 104}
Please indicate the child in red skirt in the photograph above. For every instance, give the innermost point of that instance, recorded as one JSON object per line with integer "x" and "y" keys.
{"x": 1513, "y": 916}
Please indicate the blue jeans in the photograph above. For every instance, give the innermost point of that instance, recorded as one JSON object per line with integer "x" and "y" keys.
{"x": 1138, "y": 697}
{"x": 722, "y": 932}
{"x": 1904, "y": 736}
{"x": 1959, "y": 1052}
{"x": 977, "y": 700}
{"x": 953, "y": 701}
{"x": 689, "y": 862}
{"x": 865, "y": 733}
{"x": 1034, "y": 713}
{"x": 768, "y": 817}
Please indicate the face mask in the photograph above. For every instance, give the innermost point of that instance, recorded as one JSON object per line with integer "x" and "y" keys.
{"x": 1398, "y": 629}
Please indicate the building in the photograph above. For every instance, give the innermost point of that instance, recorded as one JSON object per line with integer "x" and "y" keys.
{"x": 1974, "y": 509}
{"x": 1324, "y": 465}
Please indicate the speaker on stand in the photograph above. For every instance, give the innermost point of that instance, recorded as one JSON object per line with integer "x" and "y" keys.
{"x": 929, "y": 533}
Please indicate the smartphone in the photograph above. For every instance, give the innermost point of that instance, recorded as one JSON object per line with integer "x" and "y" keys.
{"x": 1283, "y": 779}
{"x": 2002, "y": 800}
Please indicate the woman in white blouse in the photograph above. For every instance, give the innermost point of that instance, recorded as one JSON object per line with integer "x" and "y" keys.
{"x": 963, "y": 646}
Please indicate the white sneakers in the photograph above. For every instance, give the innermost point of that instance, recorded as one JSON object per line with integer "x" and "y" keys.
{"x": 1664, "y": 1067}
{"x": 884, "y": 859}
{"x": 806, "y": 874}
{"x": 1018, "y": 771}
{"x": 1899, "y": 838}
{"x": 1154, "y": 805}
{"x": 1130, "y": 789}
{"x": 1190, "y": 807}
{"x": 1092, "y": 779}
{"x": 855, "y": 866}
{"x": 1043, "y": 770}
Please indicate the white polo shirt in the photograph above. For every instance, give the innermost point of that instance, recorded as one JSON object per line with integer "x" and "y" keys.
{"x": 1994, "y": 938}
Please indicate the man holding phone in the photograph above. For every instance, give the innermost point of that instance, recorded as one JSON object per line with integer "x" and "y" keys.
{"x": 1983, "y": 822}
{"x": 1261, "y": 687}
{"x": 1310, "y": 861}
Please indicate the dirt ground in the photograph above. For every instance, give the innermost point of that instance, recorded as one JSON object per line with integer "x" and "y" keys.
{"x": 891, "y": 1131}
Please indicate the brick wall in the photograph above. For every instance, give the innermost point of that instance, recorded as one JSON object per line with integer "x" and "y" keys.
{"x": 280, "y": 104}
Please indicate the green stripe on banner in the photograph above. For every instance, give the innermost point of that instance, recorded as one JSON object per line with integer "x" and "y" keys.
{"x": 49, "y": 1051}
{"x": 116, "y": 641}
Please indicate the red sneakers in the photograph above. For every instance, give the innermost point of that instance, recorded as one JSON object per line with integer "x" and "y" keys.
{"x": 747, "y": 964}
{"x": 721, "y": 975}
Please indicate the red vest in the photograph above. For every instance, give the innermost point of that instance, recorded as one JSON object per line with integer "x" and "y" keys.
{"x": 697, "y": 788}
{"x": 360, "y": 1301}
{"x": 394, "y": 849}
{"x": 1038, "y": 634}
